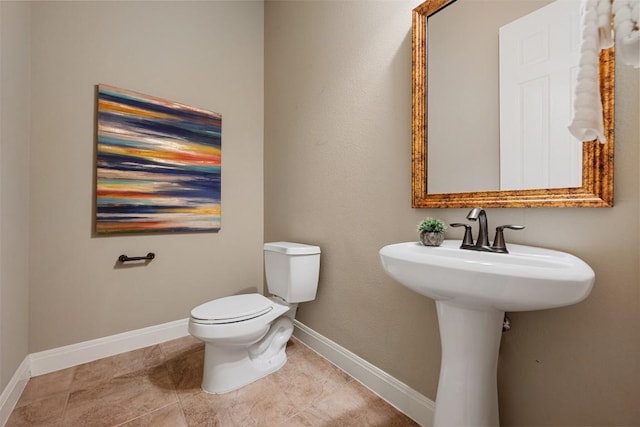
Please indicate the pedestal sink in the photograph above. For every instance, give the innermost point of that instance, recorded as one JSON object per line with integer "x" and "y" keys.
{"x": 473, "y": 290}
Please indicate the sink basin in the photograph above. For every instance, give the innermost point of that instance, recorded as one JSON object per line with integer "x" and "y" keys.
{"x": 527, "y": 278}
{"x": 472, "y": 292}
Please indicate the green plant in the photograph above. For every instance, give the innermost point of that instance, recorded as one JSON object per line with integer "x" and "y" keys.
{"x": 432, "y": 225}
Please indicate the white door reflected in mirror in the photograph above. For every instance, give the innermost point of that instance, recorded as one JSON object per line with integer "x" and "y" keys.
{"x": 539, "y": 55}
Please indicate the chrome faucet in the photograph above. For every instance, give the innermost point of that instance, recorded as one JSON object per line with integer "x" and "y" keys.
{"x": 482, "y": 243}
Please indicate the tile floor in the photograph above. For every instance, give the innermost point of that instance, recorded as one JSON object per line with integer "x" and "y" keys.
{"x": 160, "y": 386}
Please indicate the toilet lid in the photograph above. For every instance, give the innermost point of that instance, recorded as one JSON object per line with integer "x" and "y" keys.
{"x": 235, "y": 308}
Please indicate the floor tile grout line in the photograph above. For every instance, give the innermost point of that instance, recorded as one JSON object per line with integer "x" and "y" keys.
{"x": 148, "y": 413}
{"x": 144, "y": 369}
{"x": 175, "y": 383}
{"x": 64, "y": 409}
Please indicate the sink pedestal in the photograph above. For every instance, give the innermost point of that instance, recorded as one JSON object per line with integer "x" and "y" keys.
{"x": 467, "y": 388}
{"x": 472, "y": 290}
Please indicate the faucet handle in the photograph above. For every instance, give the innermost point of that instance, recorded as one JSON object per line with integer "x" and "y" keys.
{"x": 468, "y": 238}
{"x": 498, "y": 242}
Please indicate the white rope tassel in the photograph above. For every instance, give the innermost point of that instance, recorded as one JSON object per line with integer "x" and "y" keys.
{"x": 627, "y": 32}
{"x": 587, "y": 123}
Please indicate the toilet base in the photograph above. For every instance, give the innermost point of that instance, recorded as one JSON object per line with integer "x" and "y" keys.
{"x": 228, "y": 368}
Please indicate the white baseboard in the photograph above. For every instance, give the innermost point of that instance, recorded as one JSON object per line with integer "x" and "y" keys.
{"x": 76, "y": 354}
{"x": 59, "y": 358}
{"x": 13, "y": 390}
{"x": 398, "y": 394}
{"x": 404, "y": 398}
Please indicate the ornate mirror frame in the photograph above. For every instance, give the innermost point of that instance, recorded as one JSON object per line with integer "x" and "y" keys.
{"x": 597, "y": 159}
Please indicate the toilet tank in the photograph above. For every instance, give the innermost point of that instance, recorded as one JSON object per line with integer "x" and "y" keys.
{"x": 292, "y": 270}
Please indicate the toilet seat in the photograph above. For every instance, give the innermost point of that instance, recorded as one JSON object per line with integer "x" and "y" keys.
{"x": 232, "y": 309}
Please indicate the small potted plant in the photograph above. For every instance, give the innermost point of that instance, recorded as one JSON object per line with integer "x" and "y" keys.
{"x": 431, "y": 231}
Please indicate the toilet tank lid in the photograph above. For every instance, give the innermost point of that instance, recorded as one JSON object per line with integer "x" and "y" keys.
{"x": 290, "y": 248}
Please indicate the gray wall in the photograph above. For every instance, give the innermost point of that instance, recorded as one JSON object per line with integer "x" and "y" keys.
{"x": 337, "y": 174}
{"x": 14, "y": 186}
{"x": 205, "y": 54}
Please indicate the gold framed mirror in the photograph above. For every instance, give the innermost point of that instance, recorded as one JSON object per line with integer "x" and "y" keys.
{"x": 597, "y": 158}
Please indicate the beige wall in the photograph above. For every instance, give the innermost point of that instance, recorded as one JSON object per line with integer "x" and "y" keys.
{"x": 337, "y": 174}
{"x": 14, "y": 186}
{"x": 205, "y": 54}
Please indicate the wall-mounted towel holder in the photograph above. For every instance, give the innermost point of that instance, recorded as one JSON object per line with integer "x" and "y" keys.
{"x": 148, "y": 257}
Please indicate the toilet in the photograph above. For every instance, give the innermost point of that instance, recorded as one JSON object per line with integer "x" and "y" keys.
{"x": 245, "y": 335}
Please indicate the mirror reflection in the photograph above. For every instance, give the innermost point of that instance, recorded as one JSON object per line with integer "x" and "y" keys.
{"x": 509, "y": 78}
{"x": 498, "y": 95}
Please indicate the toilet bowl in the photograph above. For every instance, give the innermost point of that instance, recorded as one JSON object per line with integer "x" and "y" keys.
{"x": 245, "y": 335}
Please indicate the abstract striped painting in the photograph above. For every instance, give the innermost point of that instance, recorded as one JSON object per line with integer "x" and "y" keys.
{"x": 158, "y": 165}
